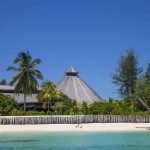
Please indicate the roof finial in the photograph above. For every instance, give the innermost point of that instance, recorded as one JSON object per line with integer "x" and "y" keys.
{"x": 72, "y": 71}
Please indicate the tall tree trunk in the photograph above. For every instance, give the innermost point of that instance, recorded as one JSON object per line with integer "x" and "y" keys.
{"x": 25, "y": 96}
{"x": 48, "y": 106}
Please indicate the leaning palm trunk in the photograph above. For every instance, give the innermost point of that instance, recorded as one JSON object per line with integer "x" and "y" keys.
{"x": 144, "y": 104}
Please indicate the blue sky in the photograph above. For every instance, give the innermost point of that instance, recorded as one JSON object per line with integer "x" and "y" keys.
{"x": 87, "y": 34}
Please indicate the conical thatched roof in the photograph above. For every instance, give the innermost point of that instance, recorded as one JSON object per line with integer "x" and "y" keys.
{"x": 75, "y": 88}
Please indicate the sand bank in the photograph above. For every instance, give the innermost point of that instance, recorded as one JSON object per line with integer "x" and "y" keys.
{"x": 99, "y": 127}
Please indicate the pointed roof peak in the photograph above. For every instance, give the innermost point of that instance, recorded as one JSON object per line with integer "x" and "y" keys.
{"x": 72, "y": 71}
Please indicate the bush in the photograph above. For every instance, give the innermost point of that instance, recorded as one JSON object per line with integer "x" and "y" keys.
{"x": 16, "y": 112}
{"x": 7, "y": 104}
{"x": 34, "y": 112}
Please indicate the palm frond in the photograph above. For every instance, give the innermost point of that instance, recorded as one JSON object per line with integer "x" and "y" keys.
{"x": 16, "y": 79}
{"x": 35, "y": 63}
{"x": 49, "y": 92}
{"x": 37, "y": 74}
{"x": 23, "y": 59}
{"x": 12, "y": 68}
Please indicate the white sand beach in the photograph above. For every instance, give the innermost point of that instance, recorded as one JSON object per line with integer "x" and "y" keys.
{"x": 95, "y": 127}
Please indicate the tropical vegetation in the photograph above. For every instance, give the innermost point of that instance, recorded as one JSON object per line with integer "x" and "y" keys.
{"x": 127, "y": 74}
{"x": 133, "y": 91}
{"x": 48, "y": 94}
{"x": 7, "y": 105}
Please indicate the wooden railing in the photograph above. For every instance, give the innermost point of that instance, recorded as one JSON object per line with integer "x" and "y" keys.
{"x": 76, "y": 119}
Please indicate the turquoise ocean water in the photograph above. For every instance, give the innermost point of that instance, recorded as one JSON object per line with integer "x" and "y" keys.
{"x": 75, "y": 141}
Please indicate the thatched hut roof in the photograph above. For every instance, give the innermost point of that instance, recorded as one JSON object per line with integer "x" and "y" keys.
{"x": 77, "y": 89}
{"x": 10, "y": 90}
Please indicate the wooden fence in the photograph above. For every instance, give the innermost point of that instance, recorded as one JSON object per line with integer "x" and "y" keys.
{"x": 77, "y": 119}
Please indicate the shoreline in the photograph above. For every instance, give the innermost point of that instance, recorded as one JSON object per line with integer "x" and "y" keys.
{"x": 90, "y": 127}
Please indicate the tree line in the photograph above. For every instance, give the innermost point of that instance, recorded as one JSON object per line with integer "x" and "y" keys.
{"x": 133, "y": 89}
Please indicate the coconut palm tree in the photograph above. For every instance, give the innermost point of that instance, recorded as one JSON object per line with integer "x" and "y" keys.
{"x": 25, "y": 80}
{"x": 49, "y": 93}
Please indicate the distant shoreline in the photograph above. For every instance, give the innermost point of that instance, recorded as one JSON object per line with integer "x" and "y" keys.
{"x": 90, "y": 127}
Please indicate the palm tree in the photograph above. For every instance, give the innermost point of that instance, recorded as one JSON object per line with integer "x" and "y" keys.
{"x": 26, "y": 78}
{"x": 49, "y": 93}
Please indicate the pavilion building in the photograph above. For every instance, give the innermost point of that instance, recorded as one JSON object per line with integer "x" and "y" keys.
{"x": 76, "y": 88}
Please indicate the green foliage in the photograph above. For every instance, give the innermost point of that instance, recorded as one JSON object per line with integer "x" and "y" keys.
{"x": 57, "y": 108}
{"x": 3, "y": 82}
{"x": 121, "y": 107}
{"x": 48, "y": 93}
{"x": 127, "y": 74}
{"x": 142, "y": 91}
{"x": 16, "y": 112}
{"x": 63, "y": 106}
{"x": 118, "y": 107}
{"x": 100, "y": 108}
{"x": 67, "y": 105}
{"x": 84, "y": 108}
{"x": 34, "y": 112}
{"x": 147, "y": 73}
{"x": 7, "y": 104}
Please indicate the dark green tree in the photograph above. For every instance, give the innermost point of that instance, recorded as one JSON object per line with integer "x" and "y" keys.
{"x": 26, "y": 79}
{"x": 147, "y": 74}
{"x": 67, "y": 104}
{"x": 84, "y": 108}
{"x": 127, "y": 74}
{"x": 3, "y": 82}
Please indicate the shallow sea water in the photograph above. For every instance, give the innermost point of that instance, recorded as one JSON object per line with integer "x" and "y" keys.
{"x": 75, "y": 141}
